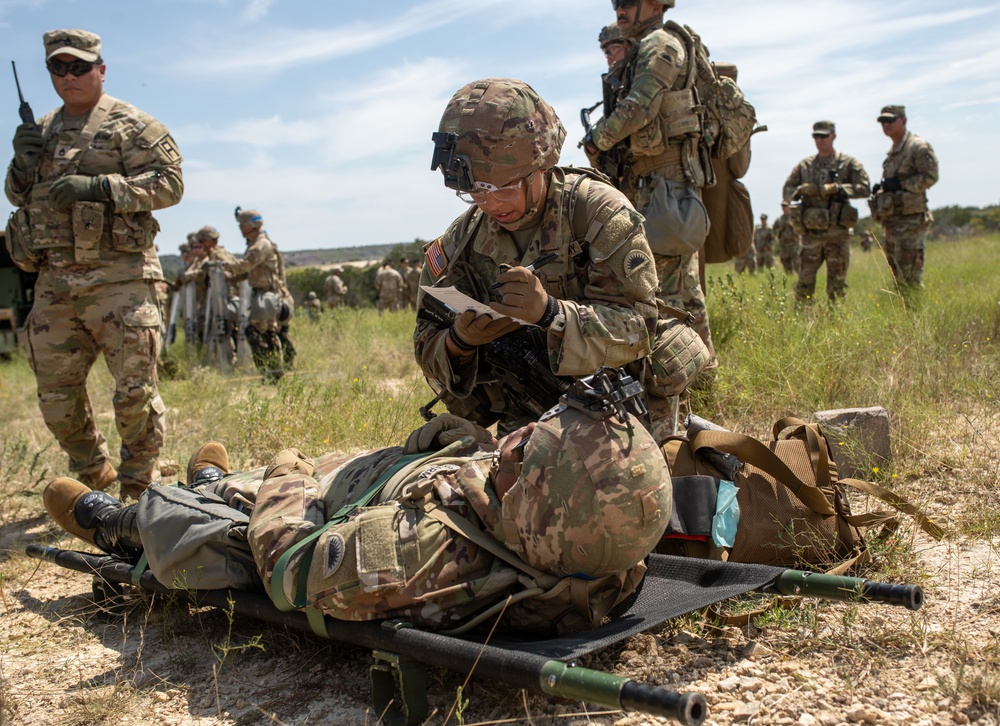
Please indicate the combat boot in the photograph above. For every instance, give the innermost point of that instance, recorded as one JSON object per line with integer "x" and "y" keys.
{"x": 100, "y": 479}
{"x": 208, "y": 464}
{"x": 94, "y": 517}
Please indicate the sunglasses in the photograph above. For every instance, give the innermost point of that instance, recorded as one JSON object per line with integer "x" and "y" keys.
{"x": 501, "y": 195}
{"x": 77, "y": 68}
{"x": 821, "y": 136}
{"x": 616, "y": 4}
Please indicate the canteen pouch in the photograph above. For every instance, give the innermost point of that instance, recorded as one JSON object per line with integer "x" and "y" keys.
{"x": 816, "y": 219}
{"x": 18, "y": 241}
{"x": 848, "y": 216}
{"x": 884, "y": 205}
{"x": 88, "y": 229}
{"x": 676, "y": 219}
{"x": 133, "y": 232}
{"x": 912, "y": 203}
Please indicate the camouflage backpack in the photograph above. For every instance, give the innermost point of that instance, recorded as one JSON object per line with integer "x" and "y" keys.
{"x": 730, "y": 119}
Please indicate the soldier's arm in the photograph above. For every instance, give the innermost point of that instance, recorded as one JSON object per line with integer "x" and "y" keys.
{"x": 791, "y": 184}
{"x": 252, "y": 258}
{"x": 926, "y": 164}
{"x": 659, "y": 62}
{"x": 152, "y": 178}
{"x": 857, "y": 185}
{"x": 611, "y": 325}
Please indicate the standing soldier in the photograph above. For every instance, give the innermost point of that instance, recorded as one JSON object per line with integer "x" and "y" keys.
{"x": 824, "y": 183}
{"x": 662, "y": 168}
{"x": 313, "y": 307}
{"x": 900, "y": 199}
{"x": 389, "y": 285}
{"x": 867, "y": 240}
{"x": 334, "y": 289}
{"x": 215, "y": 255}
{"x": 271, "y": 304}
{"x": 404, "y": 272}
{"x": 413, "y": 283}
{"x": 787, "y": 239}
{"x": 85, "y": 180}
{"x": 747, "y": 262}
{"x": 763, "y": 242}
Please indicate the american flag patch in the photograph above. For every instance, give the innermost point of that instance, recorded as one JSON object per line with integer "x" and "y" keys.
{"x": 436, "y": 260}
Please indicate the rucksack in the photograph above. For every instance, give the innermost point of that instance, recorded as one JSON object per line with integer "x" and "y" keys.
{"x": 794, "y": 509}
{"x": 730, "y": 119}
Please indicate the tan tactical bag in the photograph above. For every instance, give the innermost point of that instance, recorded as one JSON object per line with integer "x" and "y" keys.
{"x": 794, "y": 509}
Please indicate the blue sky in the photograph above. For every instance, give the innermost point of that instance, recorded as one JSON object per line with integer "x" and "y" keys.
{"x": 320, "y": 114}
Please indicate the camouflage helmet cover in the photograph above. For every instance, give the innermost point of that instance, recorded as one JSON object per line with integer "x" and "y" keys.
{"x": 591, "y": 499}
{"x": 610, "y": 34}
{"x": 504, "y": 128}
{"x": 208, "y": 233}
{"x": 249, "y": 218}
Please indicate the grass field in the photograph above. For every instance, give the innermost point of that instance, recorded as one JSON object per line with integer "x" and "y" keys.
{"x": 933, "y": 363}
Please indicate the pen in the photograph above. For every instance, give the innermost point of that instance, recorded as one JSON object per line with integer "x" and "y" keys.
{"x": 540, "y": 262}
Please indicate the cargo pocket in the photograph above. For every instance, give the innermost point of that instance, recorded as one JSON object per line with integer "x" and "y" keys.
{"x": 133, "y": 232}
{"x": 88, "y": 229}
{"x": 18, "y": 242}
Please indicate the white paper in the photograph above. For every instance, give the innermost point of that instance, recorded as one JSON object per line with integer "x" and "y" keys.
{"x": 460, "y": 302}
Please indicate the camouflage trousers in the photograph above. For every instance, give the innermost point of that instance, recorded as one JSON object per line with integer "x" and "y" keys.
{"x": 680, "y": 287}
{"x": 832, "y": 246}
{"x": 765, "y": 258}
{"x": 789, "y": 257}
{"x": 335, "y": 301}
{"x": 389, "y": 301}
{"x": 747, "y": 262}
{"x": 905, "y": 241}
{"x": 66, "y": 333}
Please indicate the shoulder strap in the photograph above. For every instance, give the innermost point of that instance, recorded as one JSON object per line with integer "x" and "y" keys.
{"x": 97, "y": 116}
{"x": 690, "y": 46}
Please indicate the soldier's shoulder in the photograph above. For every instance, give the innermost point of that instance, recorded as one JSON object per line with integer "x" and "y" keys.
{"x": 919, "y": 141}
{"x": 658, "y": 41}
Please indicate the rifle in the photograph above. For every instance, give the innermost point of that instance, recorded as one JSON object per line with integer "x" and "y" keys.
{"x": 611, "y": 163}
{"x": 24, "y": 110}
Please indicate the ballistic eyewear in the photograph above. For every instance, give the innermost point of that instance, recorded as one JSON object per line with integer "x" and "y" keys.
{"x": 485, "y": 191}
{"x": 76, "y": 67}
{"x": 623, "y": 3}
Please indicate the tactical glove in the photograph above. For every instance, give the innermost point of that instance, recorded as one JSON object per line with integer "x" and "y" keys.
{"x": 807, "y": 190}
{"x": 28, "y": 143}
{"x": 521, "y": 295}
{"x": 474, "y": 330}
{"x": 77, "y": 188}
{"x": 891, "y": 184}
{"x": 876, "y": 189}
{"x": 444, "y": 429}
{"x": 830, "y": 190}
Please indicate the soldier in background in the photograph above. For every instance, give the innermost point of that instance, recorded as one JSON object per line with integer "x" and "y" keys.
{"x": 390, "y": 287}
{"x": 405, "y": 272}
{"x": 335, "y": 289}
{"x": 271, "y": 304}
{"x": 313, "y": 306}
{"x": 824, "y": 183}
{"x": 84, "y": 181}
{"x": 900, "y": 199}
{"x": 747, "y": 262}
{"x": 413, "y": 283}
{"x": 660, "y": 171}
{"x": 763, "y": 242}
{"x": 787, "y": 239}
{"x": 867, "y": 240}
{"x": 613, "y": 45}
{"x": 212, "y": 254}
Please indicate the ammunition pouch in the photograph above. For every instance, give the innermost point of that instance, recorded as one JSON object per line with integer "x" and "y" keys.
{"x": 18, "y": 241}
{"x": 679, "y": 114}
{"x": 677, "y": 357}
{"x": 816, "y": 219}
{"x": 676, "y": 219}
{"x": 848, "y": 216}
{"x": 897, "y": 204}
{"x": 87, "y": 219}
{"x": 133, "y": 232}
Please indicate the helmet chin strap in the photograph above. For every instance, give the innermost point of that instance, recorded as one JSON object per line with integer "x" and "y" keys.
{"x": 533, "y": 212}
{"x": 640, "y": 26}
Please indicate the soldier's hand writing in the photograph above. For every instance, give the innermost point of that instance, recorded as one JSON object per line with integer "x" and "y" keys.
{"x": 521, "y": 295}
{"x": 28, "y": 143}
{"x": 475, "y": 330}
{"x": 444, "y": 429}
{"x": 830, "y": 190}
{"x": 891, "y": 184}
{"x": 77, "y": 188}
{"x": 807, "y": 190}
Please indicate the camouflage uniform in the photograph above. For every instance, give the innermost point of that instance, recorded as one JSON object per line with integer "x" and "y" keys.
{"x": 788, "y": 243}
{"x": 903, "y": 213}
{"x": 659, "y": 154}
{"x": 412, "y": 286}
{"x": 97, "y": 289}
{"x": 335, "y": 290}
{"x": 763, "y": 242}
{"x": 313, "y": 307}
{"x": 747, "y": 262}
{"x": 391, "y": 288}
{"x": 589, "y": 501}
{"x": 271, "y": 304}
{"x": 826, "y": 220}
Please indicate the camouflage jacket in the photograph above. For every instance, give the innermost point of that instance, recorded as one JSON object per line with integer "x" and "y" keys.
{"x": 914, "y": 163}
{"x": 763, "y": 239}
{"x": 412, "y": 283}
{"x": 784, "y": 233}
{"x": 334, "y": 287}
{"x": 605, "y": 279}
{"x": 262, "y": 265}
{"x": 837, "y": 168}
{"x": 143, "y": 167}
{"x": 395, "y": 558}
{"x": 389, "y": 282}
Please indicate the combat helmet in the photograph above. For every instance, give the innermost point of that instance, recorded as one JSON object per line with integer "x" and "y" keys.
{"x": 249, "y": 218}
{"x": 493, "y": 132}
{"x": 593, "y": 496}
{"x": 208, "y": 233}
{"x": 610, "y": 34}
